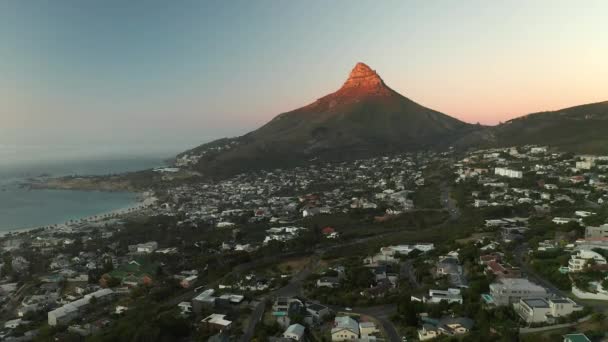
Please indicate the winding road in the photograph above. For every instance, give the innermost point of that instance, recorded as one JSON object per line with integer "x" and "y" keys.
{"x": 382, "y": 314}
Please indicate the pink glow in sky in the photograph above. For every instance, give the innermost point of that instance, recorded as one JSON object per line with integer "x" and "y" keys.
{"x": 115, "y": 72}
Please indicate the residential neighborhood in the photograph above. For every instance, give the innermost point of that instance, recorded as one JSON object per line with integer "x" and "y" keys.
{"x": 492, "y": 245}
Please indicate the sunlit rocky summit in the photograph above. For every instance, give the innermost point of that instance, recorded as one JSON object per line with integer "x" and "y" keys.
{"x": 363, "y": 79}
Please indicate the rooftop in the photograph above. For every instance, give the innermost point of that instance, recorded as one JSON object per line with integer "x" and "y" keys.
{"x": 345, "y": 322}
{"x": 316, "y": 307}
{"x": 205, "y": 295}
{"x": 296, "y": 329}
{"x": 217, "y": 319}
{"x": 536, "y": 303}
{"x": 560, "y": 301}
{"x": 576, "y": 338}
{"x": 519, "y": 284}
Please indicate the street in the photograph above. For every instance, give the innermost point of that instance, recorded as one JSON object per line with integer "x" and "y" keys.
{"x": 448, "y": 202}
{"x": 382, "y": 313}
{"x": 518, "y": 255}
{"x": 407, "y": 272}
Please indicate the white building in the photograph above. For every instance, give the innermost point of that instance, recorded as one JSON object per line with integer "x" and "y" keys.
{"x": 217, "y": 322}
{"x": 578, "y": 261}
{"x": 204, "y": 300}
{"x": 144, "y": 248}
{"x": 119, "y": 309}
{"x": 591, "y": 244}
{"x": 501, "y": 171}
{"x": 188, "y": 281}
{"x": 582, "y": 213}
{"x": 185, "y": 308}
{"x": 14, "y": 323}
{"x": 367, "y": 329}
{"x": 450, "y": 296}
{"x": 596, "y": 232}
{"x": 563, "y": 220}
{"x": 538, "y": 150}
{"x": 540, "y": 310}
{"x": 508, "y": 291}
{"x": 70, "y": 311}
{"x": 390, "y": 254}
{"x": 479, "y": 203}
{"x": 584, "y": 165}
{"x": 295, "y": 332}
{"x": 406, "y": 249}
{"x": 225, "y": 224}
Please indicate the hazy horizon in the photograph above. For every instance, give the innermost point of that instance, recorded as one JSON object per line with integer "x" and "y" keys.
{"x": 23, "y": 154}
{"x": 152, "y": 77}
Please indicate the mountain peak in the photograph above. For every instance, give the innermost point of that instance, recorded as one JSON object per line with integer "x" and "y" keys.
{"x": 363, "y": 77}
{"x": 362, "y": 119}
{"x": 362, "y": 70}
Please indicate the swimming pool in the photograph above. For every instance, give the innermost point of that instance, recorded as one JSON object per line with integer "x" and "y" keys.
{"x": 487, "y": 298}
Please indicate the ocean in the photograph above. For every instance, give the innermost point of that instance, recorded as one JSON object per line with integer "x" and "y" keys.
{"x": 23, "y": 208}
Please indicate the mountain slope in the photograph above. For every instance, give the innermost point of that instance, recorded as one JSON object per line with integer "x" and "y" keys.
{"x": 581, "y": 129}
{"x": 363, "y": 118}
{"x": 363, "y": 110}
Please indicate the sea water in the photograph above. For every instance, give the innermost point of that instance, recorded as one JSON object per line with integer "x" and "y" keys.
{"x": 22, "y": 208}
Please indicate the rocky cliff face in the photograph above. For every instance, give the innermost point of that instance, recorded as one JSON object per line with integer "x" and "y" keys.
{"x": 363, "y": 79}
{"x": 362, "y": 82}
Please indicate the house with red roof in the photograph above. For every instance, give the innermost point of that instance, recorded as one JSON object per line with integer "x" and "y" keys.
{"x": 328, "y": 230}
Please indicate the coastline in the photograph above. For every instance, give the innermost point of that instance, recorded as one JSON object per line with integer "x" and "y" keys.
{"x": 144, "y": 200}
{"x": 21, "y": 182}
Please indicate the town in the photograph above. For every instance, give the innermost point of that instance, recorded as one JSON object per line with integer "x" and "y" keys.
{"x": 504, "y": 244}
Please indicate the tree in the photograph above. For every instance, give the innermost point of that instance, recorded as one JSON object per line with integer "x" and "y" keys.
{"x": 175, "y": 325}
{"x": 360, "y": 277}
{"x": 605, "y": 284}
{"x": 45, "y": 333}
{"x": 7, "y": 268}
{"x": 113, "y": 282}
{"x": 409, "y": 310}
{"x": 598, "y": 317}
{"x": 107, "y": 266}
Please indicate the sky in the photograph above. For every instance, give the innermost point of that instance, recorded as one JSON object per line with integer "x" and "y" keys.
{"x": 161, "y": 76}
